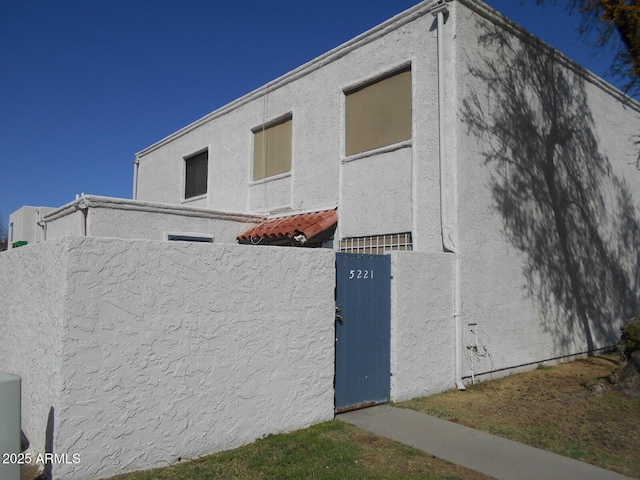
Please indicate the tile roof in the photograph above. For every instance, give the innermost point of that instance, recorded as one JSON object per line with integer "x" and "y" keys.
{"x": 307, "y": 224}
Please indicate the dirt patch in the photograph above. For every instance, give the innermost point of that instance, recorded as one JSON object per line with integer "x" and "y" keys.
{"x": 571, "y": 409}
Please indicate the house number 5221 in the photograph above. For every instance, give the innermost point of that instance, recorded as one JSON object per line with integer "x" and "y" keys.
{"x": 364, "y": 274}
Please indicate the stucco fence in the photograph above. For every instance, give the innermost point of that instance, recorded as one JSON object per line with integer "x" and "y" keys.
{"x": 134, "y": 353}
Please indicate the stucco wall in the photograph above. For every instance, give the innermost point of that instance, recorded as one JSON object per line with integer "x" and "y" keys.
{"x": 98, "y": 216}
{"x": 548, "y": 209}
{"x": 373, "y": 201}
{"x": 73, "y": 224}
{"x": 23, "y": 224}
{"x": 422, "y": 340}
{"x": 155, "y": 225}
{"x": 164, "y": 350}
{"x": 33, "y": 290}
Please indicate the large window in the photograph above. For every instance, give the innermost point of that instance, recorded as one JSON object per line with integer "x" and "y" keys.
{"x": 379, "y": 113}
{"x": 272, "y": 149}
{"x": 196, "y": 171}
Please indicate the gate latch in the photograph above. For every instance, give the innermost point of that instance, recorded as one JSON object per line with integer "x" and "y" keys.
{"x": 338, "y": 315}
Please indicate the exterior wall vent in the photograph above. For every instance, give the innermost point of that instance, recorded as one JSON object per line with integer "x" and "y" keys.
{"x": 377, "y": 244}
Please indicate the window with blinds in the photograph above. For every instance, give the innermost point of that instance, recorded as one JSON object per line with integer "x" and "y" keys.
{"x": 272, "y": 149}
{"x": 196, "y": 171}
{"x": 379, "y": 113}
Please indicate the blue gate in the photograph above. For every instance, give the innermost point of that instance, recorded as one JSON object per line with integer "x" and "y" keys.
{"x": 363, "y": 330}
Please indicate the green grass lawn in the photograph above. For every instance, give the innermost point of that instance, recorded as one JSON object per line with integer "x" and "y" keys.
{"x": 331, "y": 450}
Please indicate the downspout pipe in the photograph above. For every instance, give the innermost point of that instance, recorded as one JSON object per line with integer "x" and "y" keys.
{"x": 84, "y": 209}
{"x": 136, "y": 164}
{"x": 439, "y": 10}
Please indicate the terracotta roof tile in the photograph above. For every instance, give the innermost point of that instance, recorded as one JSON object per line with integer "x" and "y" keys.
{"x": 308, "y": 224}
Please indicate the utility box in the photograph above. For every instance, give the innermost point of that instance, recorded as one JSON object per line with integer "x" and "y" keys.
{"x": 10, "y": 415}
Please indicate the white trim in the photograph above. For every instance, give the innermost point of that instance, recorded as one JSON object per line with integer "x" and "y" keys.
{"x": 94, "y": 201}
{"x": 193, "y": 199}
{"x": 273, "y": 122}
{"x": 269, "y": 179}
{"x": 377, "y": 151}
{"x": 378, "y": 77}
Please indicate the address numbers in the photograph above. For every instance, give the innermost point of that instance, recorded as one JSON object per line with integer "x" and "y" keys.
{"x": 360, "y": 274}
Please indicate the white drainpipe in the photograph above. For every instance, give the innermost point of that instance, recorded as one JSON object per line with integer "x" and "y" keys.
{"x": 84, "y": 209}
{"x": 136, "y": 164}
{"x": 438, "y": 11}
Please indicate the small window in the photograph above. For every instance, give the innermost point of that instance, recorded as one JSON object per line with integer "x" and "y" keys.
{"x": 272, "y": 149}
{"x": 196, "y": 171}
{"x": 177, "y": 237}
{"x": 379, "y": 113}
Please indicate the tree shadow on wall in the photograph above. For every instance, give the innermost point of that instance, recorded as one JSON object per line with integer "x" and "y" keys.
{"x": 562, "y": 207}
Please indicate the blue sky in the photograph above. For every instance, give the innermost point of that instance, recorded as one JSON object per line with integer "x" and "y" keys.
{"x": 85, "y": 84}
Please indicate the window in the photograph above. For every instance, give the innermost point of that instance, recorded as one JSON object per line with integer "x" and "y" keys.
{"x": 196, "y": 169}
{"x": 377, "y": 244}
{"x": 379, "y": 113}
{"x": 272, "y": 149}
{"x": 187, "y": 237}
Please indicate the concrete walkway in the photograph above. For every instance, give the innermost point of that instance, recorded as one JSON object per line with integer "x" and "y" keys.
{"x": 494, "y": 456}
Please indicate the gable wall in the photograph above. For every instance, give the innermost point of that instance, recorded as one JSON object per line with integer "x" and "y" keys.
{"x": 548, "y": 217}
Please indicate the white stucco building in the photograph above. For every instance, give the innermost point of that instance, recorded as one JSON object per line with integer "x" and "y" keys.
{"x": 501, "y": 176}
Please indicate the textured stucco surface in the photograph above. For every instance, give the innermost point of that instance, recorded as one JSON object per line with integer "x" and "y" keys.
{"x": 270, "y": 195}
{"x": 422, "y": 339}
{"x": 547, "y": 220}
{"x": 74, "y": 224}
{"x": 33, "y": 286}
{"x": 150, "y": 351}
{"x": 97, "y": 216}
{"x": 373, "y": 201}
{"x": 23, "y": 224}
{"x": 156, "y": 226}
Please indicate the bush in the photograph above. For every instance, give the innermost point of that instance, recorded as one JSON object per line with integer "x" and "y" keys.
{"x": 630, "y": 339}
{"x": 628, "y": 376}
